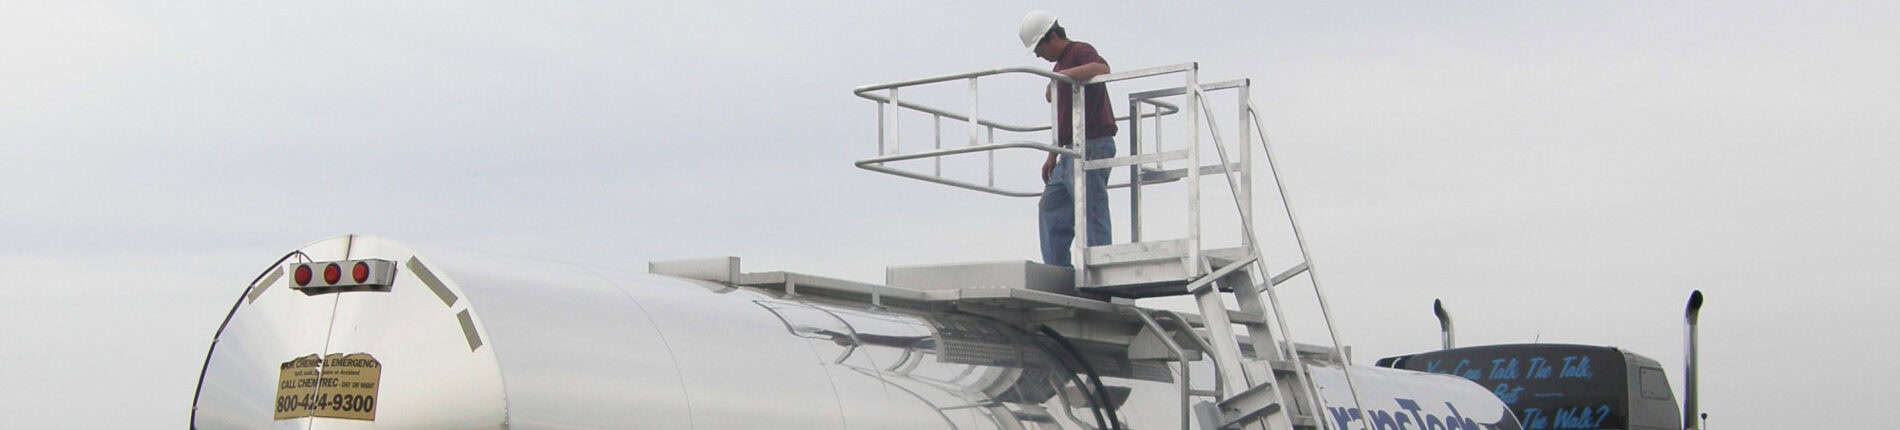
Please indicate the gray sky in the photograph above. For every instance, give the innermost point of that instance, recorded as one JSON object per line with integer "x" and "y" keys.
{"x": 1559, "y": 172}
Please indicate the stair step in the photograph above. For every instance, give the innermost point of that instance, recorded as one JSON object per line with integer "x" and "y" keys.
{"x": 1235, "y": 316}
{"x": 1256, "y": 402}
{"x": 1218, "y": 257}
{"x": 1137, "y": 252}
{"x": 1304, "y": 422}
{"x": 1149, "y": 176}
{"x": 1150, "y": 269}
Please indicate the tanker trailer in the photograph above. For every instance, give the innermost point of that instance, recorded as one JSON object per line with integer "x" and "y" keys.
{"x": 363, "y": 332}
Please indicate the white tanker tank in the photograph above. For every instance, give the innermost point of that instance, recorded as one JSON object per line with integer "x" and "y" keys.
{"x": 409, "y": 341}
{"x": 361, "y": 332}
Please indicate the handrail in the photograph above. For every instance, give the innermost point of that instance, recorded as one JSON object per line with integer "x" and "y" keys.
{"x": 1166, "y": 109}
{"x": 965, "y": 75}
{"x": 866, "y": 92}
{"x": 1312, "y": 267}
{"x": 967, "y": 149}
{"x": 1111, "y": 77}
{"x": 1198, "y": 343}
{"x": 1176, "y": 91}
{"x": 886, "y": 94}
{"x": 1180, "y": 356}
{"x": 877, "y": 165}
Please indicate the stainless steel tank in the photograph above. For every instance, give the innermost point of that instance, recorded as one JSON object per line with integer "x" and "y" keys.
{"x": 478, "y": 341}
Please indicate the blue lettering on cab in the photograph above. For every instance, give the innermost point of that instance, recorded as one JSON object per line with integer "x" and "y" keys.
{"x": 1507, "y": 393}
{"x": 1504, "y": 368}
{"x": 1539, "y": 369}
{"x": 1576, "y": 367}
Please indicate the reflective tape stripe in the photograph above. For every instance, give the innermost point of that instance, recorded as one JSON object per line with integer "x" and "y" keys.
{"x": 258, "y": 290}
{"x": 428, "y": 279}
{"x": 468, "y": 330}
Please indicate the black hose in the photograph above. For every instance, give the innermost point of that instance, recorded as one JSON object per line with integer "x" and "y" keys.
{"x": 1101, "y": 391}
{"x": 195, "y": 392}
{"x": 1095, "y": 405}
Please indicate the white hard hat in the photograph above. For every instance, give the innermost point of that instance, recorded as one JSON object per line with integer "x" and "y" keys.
{"x": 1035, "y": 24}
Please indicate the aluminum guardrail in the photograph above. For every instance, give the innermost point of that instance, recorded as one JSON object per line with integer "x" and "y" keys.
{"x": 980, "y": 130}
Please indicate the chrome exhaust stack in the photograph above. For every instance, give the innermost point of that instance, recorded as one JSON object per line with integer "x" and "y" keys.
{"x": 1689, "y": 406}
{"x": 1444, "y": 322}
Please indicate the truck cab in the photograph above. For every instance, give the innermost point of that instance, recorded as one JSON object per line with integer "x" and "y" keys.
{"x": 1561, "y": 386}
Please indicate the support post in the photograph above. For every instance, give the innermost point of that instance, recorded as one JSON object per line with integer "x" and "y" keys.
{"x": 974, "y": 122}
{"x": 1243, "y": 144}
{"x": 992, "y": 156}
{"x": 1078, "y": 185}
{"x": 936, "y": 137}
{"x": 1134, "y": 171}
{"x": 897, "y": 116}
{"x": 880, "y": 130}
{"x": 1193, "y": 142}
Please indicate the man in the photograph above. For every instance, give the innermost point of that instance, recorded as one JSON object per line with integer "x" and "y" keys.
{"x": 1078, "y": 61}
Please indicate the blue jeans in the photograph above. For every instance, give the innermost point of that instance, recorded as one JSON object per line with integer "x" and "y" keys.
{"x": 1056, "y": 211}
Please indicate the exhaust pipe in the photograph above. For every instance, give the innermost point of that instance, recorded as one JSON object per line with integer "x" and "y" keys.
{"x": 1444, "y": 322}
{"x": 1689, "y": 406}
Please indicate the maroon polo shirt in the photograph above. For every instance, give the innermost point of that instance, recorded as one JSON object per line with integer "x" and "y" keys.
{"x": 1101, "y": 117}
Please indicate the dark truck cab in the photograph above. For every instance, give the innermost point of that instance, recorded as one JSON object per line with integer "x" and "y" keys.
{"x": 1561, "y": 386}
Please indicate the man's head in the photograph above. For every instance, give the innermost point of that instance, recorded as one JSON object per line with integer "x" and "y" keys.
{"x": 1042, "y": 35}
{"x": 1052, "y": 43}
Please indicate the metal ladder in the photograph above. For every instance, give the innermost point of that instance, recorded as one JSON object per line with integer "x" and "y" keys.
{"x": 1143, "y": 269}
{"x": 1246, "y": 397}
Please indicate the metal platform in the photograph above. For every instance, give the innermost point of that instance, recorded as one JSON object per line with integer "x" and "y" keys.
{"x": 1028, "y": 293}
{"x": 1013, "y": 274}
{"x": 1017, "y": 291}
{"x": 1020, "y": 290}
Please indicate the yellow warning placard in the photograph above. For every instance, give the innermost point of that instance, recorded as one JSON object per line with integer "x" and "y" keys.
{"x": 335, "y": 386}
{"x": 296, "y": 386}
{"x": 348, "y": 385}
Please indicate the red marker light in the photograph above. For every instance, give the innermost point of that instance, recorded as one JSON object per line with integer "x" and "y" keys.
{"x": 360, "y": 272}
{"x": 332, "y": 273}
{"x": 303, "y": 274}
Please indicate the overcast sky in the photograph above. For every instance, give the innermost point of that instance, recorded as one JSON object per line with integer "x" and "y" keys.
{"x": 1555, "y": 172}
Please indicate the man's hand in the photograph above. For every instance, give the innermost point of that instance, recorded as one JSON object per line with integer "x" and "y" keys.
{"x": 1048, "y": 166}
{"x": 1048, "y": 92}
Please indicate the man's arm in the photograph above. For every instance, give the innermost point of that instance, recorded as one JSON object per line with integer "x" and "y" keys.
{"x": 1082, "y": 73}
{"x": 1085, "y": 72}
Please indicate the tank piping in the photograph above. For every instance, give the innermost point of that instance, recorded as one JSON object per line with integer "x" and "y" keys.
{"x": 1101, "y": 392}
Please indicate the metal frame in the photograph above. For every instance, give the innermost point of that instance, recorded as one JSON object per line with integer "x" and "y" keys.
{"x": 1192, "y": 154}
{"x": 1235, "y": 171}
